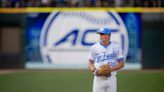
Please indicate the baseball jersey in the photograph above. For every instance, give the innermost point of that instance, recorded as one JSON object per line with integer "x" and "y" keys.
{"x": 111, "y": 54}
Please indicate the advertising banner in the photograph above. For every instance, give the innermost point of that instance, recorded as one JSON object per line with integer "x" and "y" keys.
{"x": 62, "y": 39}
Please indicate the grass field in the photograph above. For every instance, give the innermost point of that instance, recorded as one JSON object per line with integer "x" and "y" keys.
{"x": 78, "y": 81}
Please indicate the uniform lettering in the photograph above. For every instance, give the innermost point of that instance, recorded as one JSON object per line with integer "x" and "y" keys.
{"x": 106, "y": 56}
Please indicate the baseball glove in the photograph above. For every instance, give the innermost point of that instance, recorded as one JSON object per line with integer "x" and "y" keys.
{"x": 104, "y": 70}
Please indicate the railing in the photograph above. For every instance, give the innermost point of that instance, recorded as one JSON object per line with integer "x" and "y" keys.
{"x": 50, "y": 9}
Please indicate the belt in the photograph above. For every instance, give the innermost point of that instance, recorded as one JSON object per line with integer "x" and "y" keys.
{"x": 103, "y": 76}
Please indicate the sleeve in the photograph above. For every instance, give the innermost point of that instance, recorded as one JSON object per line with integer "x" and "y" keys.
{"x": 91, "y": 54}
{"x": 120, "y": 55}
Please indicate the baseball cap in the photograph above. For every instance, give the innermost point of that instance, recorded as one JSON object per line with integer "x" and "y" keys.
{"x": 104, "y": 30}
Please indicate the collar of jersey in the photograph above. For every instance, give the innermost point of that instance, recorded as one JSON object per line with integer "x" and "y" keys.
{"x": 104, "y": 45}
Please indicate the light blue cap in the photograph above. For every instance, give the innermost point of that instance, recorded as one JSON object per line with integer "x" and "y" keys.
{"x": 104, "y": 30}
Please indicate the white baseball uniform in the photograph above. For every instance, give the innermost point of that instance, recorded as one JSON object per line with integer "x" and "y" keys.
{"x": 100, "y": 54}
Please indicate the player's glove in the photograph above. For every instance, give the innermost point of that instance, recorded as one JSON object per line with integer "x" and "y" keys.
{"x": 104, "y": 70}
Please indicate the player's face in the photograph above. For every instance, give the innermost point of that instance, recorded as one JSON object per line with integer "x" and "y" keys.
{"x": 105, "y": 37}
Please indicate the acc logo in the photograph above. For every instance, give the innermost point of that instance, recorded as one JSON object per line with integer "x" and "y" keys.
{"x": 67, "y": 36}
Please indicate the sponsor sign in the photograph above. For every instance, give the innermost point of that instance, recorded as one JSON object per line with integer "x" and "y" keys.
{"x": 63, "y": 38}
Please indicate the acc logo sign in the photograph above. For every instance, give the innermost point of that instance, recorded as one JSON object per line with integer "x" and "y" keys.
{"x": 67, "y": 36}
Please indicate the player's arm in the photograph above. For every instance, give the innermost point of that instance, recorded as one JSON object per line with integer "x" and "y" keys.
{"x": 92, "y": 68}
{"x": 120, "y": 60}
{"x": 91, "y": 65}
{"x": 118, "y": 66}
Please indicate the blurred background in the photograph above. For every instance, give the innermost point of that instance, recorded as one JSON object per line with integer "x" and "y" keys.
{"x": 82, "y": 3}
{"x": 44, "y": 44}
{"x": 20, "y": 30}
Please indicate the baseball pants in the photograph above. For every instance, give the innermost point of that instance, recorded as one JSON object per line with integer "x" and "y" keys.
{"x": 105, "y": 84}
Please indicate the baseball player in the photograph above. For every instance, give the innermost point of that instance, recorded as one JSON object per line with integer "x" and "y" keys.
{"x": 105, "y": 59}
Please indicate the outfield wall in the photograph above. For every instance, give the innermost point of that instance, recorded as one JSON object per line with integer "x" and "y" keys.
{"x": 60, "y": 38}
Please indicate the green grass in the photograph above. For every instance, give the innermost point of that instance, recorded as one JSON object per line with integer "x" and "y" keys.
{"x": 78, "y": 81}
{"x": 141, "y": 81}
